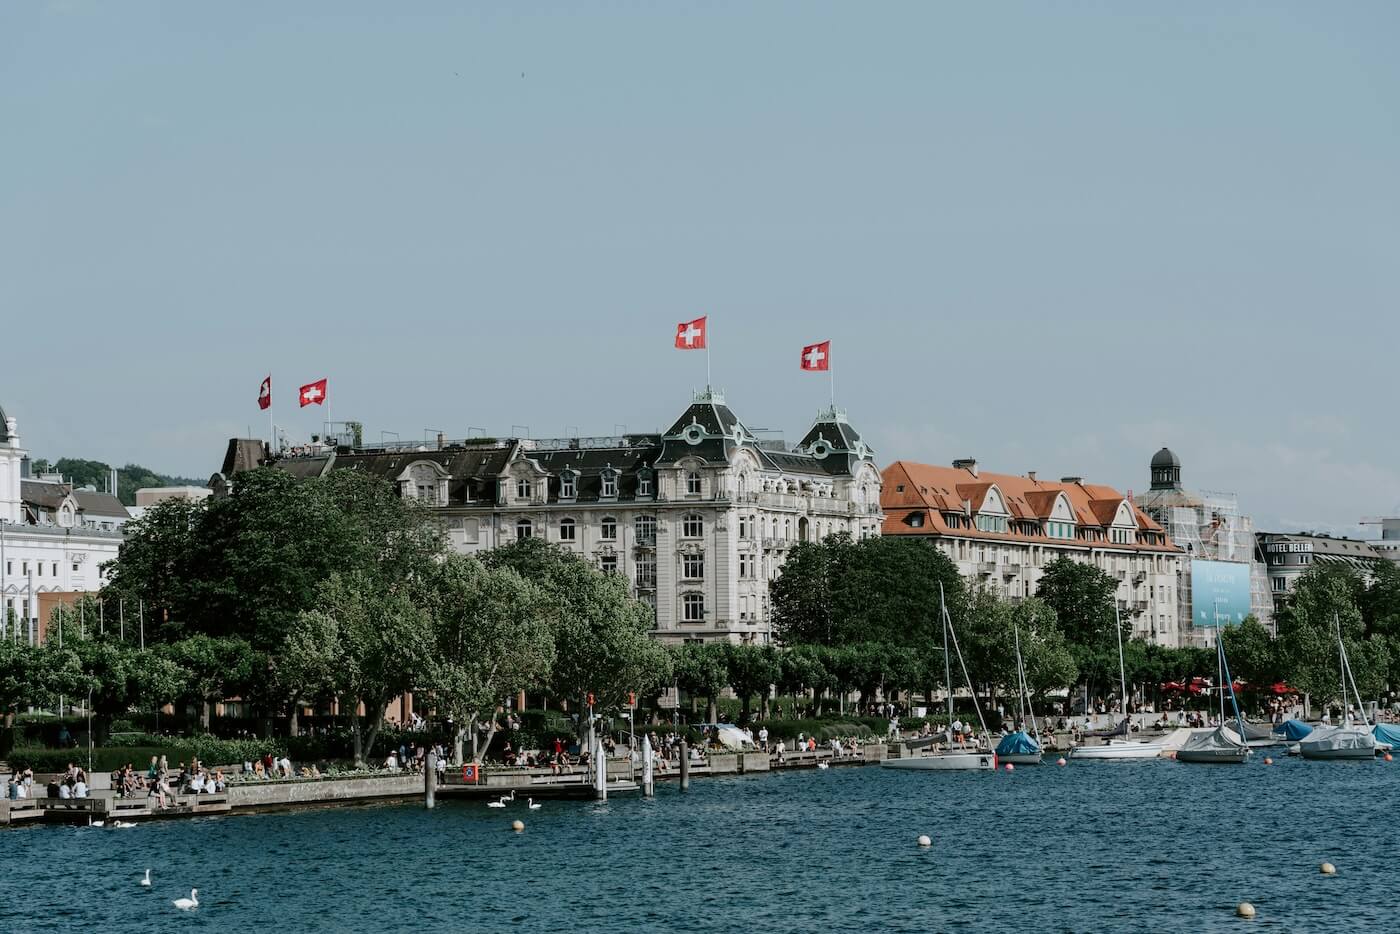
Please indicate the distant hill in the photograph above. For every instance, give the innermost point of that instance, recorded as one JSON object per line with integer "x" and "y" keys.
{"x": 130, "y": 478}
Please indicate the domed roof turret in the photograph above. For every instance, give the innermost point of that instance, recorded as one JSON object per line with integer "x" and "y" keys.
{"x": 1165, "y": 458}
{"x": 1166, "y": 470}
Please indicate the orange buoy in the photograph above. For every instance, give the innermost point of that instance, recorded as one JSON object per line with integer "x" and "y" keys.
{"x": 1010, "y": 767}
{"x": 1268, "y": 761}
{"x": 1060, "y": 761}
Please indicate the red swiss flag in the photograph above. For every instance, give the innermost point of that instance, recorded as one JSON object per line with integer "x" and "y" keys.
{"x": 265, "y": 394}
{"x": 817, "y": 356}
{"x": 313, "y": 393}
{"x": 690, "y": 335}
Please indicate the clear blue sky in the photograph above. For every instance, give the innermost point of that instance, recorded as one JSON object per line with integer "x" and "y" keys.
{"x": 1049, "y": 236}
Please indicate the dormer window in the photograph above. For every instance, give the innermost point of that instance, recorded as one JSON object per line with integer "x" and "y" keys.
{"x": 568, "y": 485}
{"x": 523, "y": 488}
{"x": 609, "y": 483}
{"x": 644, "y": 483}
{"x": 692, "y": 483}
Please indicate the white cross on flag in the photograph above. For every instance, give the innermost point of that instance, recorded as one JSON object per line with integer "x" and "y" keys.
{"x": 690, "y": 335}
{"x": 265, "y": 394}
{"x": 817, "y": 356}
{"x": 313, "y": 393}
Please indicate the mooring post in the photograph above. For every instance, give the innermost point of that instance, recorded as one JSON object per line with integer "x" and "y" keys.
{"x": 430, "y": 781}
{"x": 600, "y": 764}
{"x": 685, "y": 767}
{"x": 648, "y": 786}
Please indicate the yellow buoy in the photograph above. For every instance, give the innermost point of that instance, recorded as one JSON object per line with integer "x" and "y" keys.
{"x": 517, "y": 825}
{"x": 1244, "y": 910}
{"x": 1328, "y": 869}
{"x": 924, "y": 840}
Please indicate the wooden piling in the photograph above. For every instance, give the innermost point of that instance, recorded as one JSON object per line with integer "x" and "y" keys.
{"x": 430, "y": 781}
{"x": 685, "y": 767}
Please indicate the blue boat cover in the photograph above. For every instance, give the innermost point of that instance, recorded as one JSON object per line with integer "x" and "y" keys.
{"x": 1387, "y": 733}
{"x": 1293, "y": 730}
{"x": 1017, "y": 742}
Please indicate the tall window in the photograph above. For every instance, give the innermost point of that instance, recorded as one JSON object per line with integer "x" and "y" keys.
{"x": 608, "y": 528}
{"x": 746, "y": 565}
{"x": 522, "y": 489}
{"x": 693, "y": 526}
{"x": 567, "y": 530}
{"x": 646, "y": 572}
{"x": 644, "y": 483}
{"x": 646, "y": 530}
{"x": 523, "y": 529}
{"x": 693, "y": 608}
{"x": 568, "y": 485}
{"x": 693, "y": 567}
{"x": 609, "y": 483}
{"x": 692, "y": 483}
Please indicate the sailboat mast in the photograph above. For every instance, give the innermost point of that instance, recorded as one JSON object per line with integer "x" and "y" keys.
{"x": 1122, "y": 679}
{"x": 947, "y": 667}
{"x": 1020, "y": 679}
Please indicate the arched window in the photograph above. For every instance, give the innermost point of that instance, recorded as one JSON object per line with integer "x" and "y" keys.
{"x": 607, "y": 529}
{"x": 693, "y": 608}
{"x": 693, "y": 526}
{"x": 524, "y": 529}
{"x": 692, "y": 483}
{"x": 567, "y": 530}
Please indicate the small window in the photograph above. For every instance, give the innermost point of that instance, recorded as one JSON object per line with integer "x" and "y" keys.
{"x": 693, "y": 567}
{"x": 568, "y": 485}
{"x": 692, "y": 483}
{"x": 644, "y": 483}
{"x": 55, "y": 569}
{"x": 693, "y": 608}
{"x": 75, "y": 565}
{"x": 608, "y": 564}
{"x": 609, "y": 483}
{"x": 523, "y": 530}
{"x": 646, "y": 530}
{"x": 567, "y": 530}
{"x": 693, "y": 526}
{"x": 608, "y": 528}
{"x": 522, "y": 489}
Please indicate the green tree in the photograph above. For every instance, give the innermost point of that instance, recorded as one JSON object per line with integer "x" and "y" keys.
{"x": 218, "y": 668}
{"x": 602, "y": 636}
{"x": 1082, "y": 597}
{"x": 753, "y": 669}
{"x": 118, "y": 675}
{"x": 25, "y": 677}
{"x": 493, "y": 635}
{"x": 379, "y": 643}
{"x": 1251, "y": 653}
{"x": 701, "y": 670}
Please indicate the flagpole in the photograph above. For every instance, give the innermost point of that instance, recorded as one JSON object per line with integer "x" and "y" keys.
{"x": 831, "y": 372}
{"x": 271, "y": 425}
{"x": 707, "y": 354}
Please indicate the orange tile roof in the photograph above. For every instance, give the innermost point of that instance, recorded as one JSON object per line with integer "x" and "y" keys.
{"x": 931, "y": 490}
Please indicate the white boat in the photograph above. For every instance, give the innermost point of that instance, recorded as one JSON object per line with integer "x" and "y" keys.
{"x": 938, "y": 761}
{"x": 1119, "y": 748}
{"x": 950, "y": 759}
{"x": 1347, "y": 740}
{"x": 1220, "y": 746}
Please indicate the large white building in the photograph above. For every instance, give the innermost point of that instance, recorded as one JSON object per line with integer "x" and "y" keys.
{"x": 54, "y": 538}
{"x": 699, "y": 519}
{"x": 1001, "y": 530}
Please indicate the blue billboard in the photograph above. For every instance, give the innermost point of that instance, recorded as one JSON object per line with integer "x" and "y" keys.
{"x": 1219, "y": 592}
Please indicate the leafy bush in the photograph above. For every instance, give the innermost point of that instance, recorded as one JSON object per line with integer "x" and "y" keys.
{"x": 823, "y": 730}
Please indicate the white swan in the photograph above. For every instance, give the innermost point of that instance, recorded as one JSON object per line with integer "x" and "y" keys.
{"x": 188, "y": 904}
{"x": 530, "y": 802}
{"x": 147, "y": 881}
{"x": 497, "y": 804}
{"x": 823, "y": 765}
{"x": 123, "y": 824}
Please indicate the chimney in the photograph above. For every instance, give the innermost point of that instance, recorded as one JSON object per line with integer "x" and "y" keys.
{"x": 1030, "y": 475}
{"x": 25, "y": 469}
{"x": 113, "y": 482}
{"x": 441, "y": 440}
{"x": 1071, "y": 479}
{"x": 966, "y": 463}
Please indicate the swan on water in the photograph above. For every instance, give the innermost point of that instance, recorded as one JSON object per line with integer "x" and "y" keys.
{"x": 123, "y": 824}
{"x": 530, "y": 802}
{"x": 188, "y": 904}
{"x": 497, "y": 804}
{"x": 147, "y": 881}
{"x": 823, "y": 765}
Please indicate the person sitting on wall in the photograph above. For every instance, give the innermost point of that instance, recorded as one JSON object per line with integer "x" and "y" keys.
{"x": 57, "y": 788}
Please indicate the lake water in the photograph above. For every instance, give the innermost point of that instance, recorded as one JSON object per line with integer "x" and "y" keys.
{"x": 1146, "y": 846}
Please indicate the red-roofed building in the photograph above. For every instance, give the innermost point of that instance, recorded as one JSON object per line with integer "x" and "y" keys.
{"x": 1001, "y": 530}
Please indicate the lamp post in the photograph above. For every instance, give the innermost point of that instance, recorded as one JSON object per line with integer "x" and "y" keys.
{"x": 89, "y": 719}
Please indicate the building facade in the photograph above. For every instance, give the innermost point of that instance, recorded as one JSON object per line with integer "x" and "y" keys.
{"x": 1001, "y": 530}
{"x": 699, "y": 519}
{"x": 54, "y": 538}
{"x": 1387, "y": 544}
{"x": 1209, "y": 529}
{"x": 1288, "y": 555}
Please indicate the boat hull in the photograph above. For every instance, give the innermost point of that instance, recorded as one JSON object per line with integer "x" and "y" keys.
{"x": 1118, "y": 751}
{"x": 1330, "y": 754}
{"x": 950, "y": 761}
{"x": 1019, "y": 758}
{"x": 1213, "y": 756}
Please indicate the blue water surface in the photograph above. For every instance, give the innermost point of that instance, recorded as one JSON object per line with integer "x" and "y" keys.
{"x": 1094, "y": 846}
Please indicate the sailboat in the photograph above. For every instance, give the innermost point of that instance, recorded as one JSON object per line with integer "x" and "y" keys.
{"x": 1020, "y": 747}
{"x": 949, "y": 759}
{"x": 1346, "y": 740}
{"x": 1119, "y": 748}
{"x": 1219, "y": 746}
